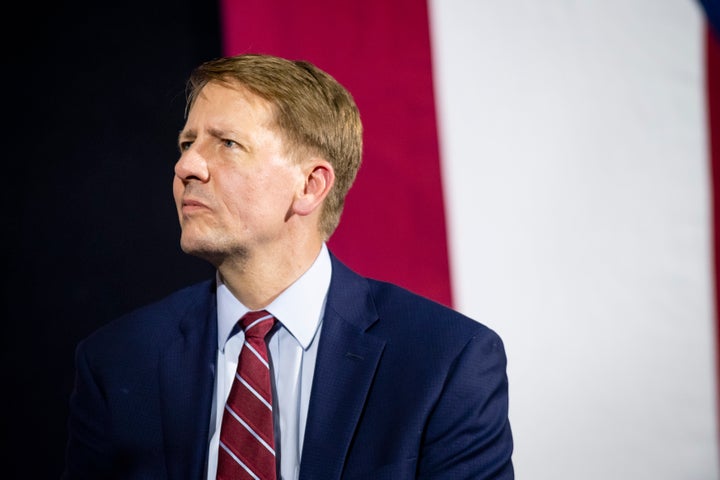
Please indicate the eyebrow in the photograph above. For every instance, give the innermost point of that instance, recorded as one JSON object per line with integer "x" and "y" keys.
{"x": 185, "y": 134}
{"x": 222, "y": 133}
{"x": 191, "y": 133}
{"x": 217, "y": 133}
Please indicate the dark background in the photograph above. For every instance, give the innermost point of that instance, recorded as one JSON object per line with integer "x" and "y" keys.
{"x": 96, "y": 97}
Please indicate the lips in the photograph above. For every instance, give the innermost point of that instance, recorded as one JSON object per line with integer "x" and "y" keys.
{"x": 190, "y": 205}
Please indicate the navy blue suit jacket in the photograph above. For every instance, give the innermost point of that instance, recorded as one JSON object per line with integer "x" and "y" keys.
{"x": 403, "y": 388}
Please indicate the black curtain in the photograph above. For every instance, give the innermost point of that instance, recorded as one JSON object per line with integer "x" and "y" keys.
{"x": 96, "y": 98}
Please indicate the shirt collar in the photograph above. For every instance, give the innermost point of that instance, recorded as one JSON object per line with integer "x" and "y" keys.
{"x": 299, "y": 308}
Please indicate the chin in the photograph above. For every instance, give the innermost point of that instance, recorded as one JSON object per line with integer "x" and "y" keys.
{"x": 211, "y": 256}
{"x": 212, "y": 252}
{"x": 201, "y": 249}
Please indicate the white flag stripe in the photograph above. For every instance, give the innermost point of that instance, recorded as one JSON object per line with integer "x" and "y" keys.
{"x": 575, "y": 172}
{"x": 251, "y": 430}
{"x": 240, "y": 462}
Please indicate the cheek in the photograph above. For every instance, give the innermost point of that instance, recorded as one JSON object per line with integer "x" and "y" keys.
{"x": 236, "y": 199}
{"x": 280, "y": 183}
{"x": 263, "y": 194}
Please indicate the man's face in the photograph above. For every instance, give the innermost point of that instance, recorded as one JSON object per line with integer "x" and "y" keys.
{"x": 234, "y": 185}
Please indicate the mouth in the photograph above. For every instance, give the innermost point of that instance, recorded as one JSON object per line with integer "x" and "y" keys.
{"x": 190, "y": 205}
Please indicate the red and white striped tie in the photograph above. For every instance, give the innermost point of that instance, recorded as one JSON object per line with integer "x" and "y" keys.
{"x": 247, "y": 445}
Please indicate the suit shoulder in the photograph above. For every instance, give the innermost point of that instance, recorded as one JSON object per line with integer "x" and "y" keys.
{"x": 395, "y": 302}
{"x": 151, "y": 320}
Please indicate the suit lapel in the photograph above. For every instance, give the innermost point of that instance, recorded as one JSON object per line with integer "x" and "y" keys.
{"x": 187, "y": 372}
{"x": 345, "y": 366}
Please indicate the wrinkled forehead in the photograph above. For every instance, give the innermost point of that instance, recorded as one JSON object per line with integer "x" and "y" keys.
{"x": 265, "y": 111}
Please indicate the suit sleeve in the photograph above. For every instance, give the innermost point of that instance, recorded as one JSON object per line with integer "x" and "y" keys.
{"x": 468, "y": 434}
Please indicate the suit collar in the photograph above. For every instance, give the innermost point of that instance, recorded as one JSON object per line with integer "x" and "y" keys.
{"x": 347, "y": 359}
{"x": 186, "y": 385}
{"x": 349, "y": 296}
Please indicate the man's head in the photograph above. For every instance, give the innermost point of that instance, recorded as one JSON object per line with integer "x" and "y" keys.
{"x": 312, "y": 113}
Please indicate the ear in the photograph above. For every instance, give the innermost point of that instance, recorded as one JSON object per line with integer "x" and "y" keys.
{"x": 319, "y": 178}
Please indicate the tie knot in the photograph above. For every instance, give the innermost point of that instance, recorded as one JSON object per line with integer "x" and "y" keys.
{"x": 257, "y": 324}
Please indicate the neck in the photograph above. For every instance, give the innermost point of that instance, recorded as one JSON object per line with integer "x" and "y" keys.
{"x": 257, "y": 279}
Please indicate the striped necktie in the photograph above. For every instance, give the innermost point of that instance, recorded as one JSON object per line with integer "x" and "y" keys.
{"x": 247, "y": 446}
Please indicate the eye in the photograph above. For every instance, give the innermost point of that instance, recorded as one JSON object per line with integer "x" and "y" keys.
{"x": 184, "y": 146}
{"x": 230, "y": 143}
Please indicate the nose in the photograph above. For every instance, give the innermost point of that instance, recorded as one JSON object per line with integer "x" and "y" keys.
{"x": 192, "y": 165}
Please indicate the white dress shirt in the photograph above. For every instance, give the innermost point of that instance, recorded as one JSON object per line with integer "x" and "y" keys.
{"x": 293, "y": 349}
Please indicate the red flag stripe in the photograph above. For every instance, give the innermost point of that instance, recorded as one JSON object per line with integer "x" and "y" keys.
{"x": 712, "y": 72}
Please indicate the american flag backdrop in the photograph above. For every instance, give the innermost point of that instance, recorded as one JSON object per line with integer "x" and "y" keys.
{"x": 546, "y": 168}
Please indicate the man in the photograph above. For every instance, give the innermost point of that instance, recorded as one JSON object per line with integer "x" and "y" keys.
{"x": 365, "y": 379}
